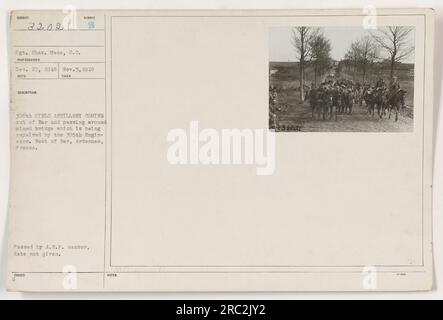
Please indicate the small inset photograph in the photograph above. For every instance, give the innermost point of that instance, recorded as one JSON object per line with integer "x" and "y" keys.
{"x": 341, "y": 79}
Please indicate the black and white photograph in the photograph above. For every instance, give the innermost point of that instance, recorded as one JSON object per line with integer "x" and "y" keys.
{"x": 341, "y": 79}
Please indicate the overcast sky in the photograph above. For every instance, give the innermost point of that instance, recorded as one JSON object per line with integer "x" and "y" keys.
{"x": 281, "y": 48}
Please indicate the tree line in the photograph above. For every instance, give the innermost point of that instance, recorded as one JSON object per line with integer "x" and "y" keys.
{"x": 388, "y": 43}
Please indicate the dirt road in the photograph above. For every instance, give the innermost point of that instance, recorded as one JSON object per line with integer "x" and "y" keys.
{"x": 298, "y": 117}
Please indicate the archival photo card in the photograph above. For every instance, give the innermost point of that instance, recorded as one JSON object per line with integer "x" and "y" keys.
{"x": 232, "y": 150}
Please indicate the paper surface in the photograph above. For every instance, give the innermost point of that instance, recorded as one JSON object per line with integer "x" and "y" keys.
{"x": 175, "y": 151}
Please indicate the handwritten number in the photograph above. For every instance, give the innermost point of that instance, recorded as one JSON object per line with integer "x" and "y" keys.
{"x": 39, "y": 26}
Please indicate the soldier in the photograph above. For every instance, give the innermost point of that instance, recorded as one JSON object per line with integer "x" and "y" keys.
{"x": 379, "y": 100}
{"x": 323, "y": 99}
{"x": 395, "y": 85}
{"x": 395, "y": 88}
{"x": 364, "y": 88}
{"x": 343, "y": 98}
{"x": 271, "y": 97}
{"x": 350, "y": 99}
{"x": 274, "y": 97}
{"x": 369, "y": 98}
{"x": 356, "y": 92}
{"x": 313, "y": 97}
{"x": 380, "y": 83}
{"x": 273, "y": 107}
{"x": 336, "y": 100}
{"x": 308, "y": 93}
{"x": 307, "y": 90}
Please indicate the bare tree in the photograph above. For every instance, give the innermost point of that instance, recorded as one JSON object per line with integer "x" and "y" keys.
{"x": 368, "y": 54}
{"x": 320, "y": 55}
{"x": 353, "y": 55}
{"x": 301, "y": 39}
{"x": 395, "y": 41}
{"x": 361, "y": 54}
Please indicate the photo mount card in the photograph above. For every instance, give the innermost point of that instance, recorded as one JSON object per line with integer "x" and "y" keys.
{"x": 249, "y": 150}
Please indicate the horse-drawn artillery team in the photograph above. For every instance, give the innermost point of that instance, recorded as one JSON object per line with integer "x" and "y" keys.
{"x": 335, "y": 97}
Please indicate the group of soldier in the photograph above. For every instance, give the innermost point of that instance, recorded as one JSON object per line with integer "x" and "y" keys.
{"x": 331, "y": 95}
{"x": 334, "y": 97}
{"x": 339, "y": 96}
{"x": 384, "y": 97}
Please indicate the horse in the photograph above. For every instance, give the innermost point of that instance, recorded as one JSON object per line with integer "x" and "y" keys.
{"x": 313, "y": 101}
{"x": 363, "y": 96}
{"x": 370, "y": 102}
{"x": 395, "y": 102}
{"x": 380, "y": 102}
